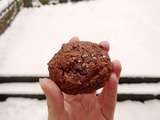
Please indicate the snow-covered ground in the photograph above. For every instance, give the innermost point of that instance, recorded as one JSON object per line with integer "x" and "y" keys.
{"x": 29, "y": 109}
{"x": 132, "y": 28}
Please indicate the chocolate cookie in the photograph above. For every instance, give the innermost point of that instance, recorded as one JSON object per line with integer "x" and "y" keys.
{"x": 80, "y": 67}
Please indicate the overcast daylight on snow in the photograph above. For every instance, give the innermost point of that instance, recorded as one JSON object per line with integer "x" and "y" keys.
{"x": 33, "y": 31}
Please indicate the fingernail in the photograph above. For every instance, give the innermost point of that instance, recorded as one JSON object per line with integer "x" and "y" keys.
{"x": 74, "y": 39}
{"x": 42, "y": 81}
{"x": 113, "y": 76}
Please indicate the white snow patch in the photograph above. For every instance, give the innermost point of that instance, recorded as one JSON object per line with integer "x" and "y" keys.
{"x": 34, "y": 88}
{"x": 29, "y": 109}
{"x": 20, "y": 88}
{"x": 130, "y": 110}
{"x": 36, "y": 3}
{"x": 23, "y": 109}
{"x": 142, "y": 88}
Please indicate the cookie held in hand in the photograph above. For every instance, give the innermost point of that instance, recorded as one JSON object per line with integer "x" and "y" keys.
{"x": 80, "y": 67}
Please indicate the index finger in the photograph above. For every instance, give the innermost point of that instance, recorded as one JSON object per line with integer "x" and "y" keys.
{"x": 55, "y": 99}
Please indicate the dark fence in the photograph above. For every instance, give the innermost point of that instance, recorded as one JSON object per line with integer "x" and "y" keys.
{"x": 128, "y": 80}
{"x": 121, "y": 97}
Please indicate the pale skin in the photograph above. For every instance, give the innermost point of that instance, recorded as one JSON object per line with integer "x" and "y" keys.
{"x": 83, "y": 106}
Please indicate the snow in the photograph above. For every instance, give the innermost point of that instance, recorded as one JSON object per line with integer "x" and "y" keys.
{"x": 36, "y": 3}
{"x": 32, "y": 109}
{"x": 131, "y": 27}
{"x": 129, "y": 110}
{"x": 142, "y": 88}
{"x": 34, "y": 88}
{"x": 4, "y": 4}
{"x": 20, "y": 88}
{"x": 23, "y": 109}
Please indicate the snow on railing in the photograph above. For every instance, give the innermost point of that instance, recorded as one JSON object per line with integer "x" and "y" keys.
{"x": 4, "y": 4}
{"x": 8, "y": 11}
{"x": 4, "y": 7}
{"x": 33, "y": 90}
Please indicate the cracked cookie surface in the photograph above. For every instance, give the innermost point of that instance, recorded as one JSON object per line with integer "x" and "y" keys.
{"x": 80, "y": 67}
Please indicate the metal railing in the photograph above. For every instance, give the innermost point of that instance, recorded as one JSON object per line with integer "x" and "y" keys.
{"x": 8, "y": 14}
{"x": 121, "y": 96}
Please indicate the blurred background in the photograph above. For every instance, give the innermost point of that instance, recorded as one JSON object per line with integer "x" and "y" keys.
{"x": 32, "y": 31}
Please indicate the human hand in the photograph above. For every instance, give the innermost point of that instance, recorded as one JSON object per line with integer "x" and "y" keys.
{"x": 62, "y": 106}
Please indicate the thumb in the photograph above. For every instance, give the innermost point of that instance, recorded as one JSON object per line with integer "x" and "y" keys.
{"x": 55, "y": 100}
